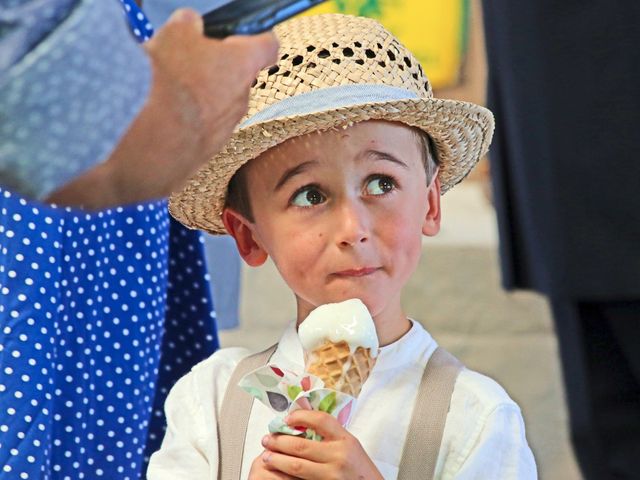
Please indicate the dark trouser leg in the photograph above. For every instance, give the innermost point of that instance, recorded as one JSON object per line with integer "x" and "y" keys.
{"x": 572, "y": 344}
{"x": 599, "y": 348}
{"x": 618, "y": 414}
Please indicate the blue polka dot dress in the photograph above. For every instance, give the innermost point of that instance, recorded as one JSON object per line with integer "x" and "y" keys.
{"x": 100, "y": 313}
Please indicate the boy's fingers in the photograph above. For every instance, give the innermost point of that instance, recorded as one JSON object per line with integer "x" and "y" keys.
{"x": 294, "y": 466}
{"x": 297, "y": 447}
{"x": 321, "y": 422}
{"x": 263, "y": 471}
{"x": 271, "y": 473}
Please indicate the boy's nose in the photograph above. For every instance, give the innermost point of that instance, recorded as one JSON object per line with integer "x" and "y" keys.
{"x": 352, "y": 228}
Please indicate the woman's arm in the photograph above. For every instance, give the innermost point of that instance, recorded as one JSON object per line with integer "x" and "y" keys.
{"x": 199, "y": 93}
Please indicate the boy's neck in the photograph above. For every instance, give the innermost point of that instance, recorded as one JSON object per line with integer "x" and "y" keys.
{"x": 391, "y": 326}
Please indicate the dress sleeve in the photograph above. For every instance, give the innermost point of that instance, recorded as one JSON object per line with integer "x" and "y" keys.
{"x": 25, "y": 23}
{"x": 66, "y": 95}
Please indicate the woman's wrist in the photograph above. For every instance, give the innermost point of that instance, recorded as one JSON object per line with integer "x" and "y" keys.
{"x": 92, "y": 190}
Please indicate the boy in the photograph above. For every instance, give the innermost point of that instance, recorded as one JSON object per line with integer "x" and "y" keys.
{"x": 345, "y": 155}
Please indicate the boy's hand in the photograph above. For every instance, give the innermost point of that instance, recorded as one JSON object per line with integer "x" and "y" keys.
{"x": 263, "y": 471}
{"x": 338, "y": 456}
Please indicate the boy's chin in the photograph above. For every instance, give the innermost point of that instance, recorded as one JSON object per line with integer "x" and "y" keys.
{"x": 373, "y": 304}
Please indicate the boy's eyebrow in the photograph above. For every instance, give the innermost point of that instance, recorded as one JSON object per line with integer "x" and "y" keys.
{"x": 292, "y": 172}
{"x": 385, "y": 156}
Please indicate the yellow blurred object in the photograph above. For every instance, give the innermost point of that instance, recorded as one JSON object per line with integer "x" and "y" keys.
{"x": 434, "y": 30}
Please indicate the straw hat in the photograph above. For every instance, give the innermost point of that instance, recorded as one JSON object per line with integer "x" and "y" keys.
{"x": 333, "y": 71}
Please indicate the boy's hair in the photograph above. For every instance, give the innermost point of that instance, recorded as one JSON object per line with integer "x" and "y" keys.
{"x": 238, "y": 192}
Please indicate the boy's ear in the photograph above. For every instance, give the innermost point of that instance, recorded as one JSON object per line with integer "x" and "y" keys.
{"x": 431, "y": 224}
{"x": 241, "y": 230}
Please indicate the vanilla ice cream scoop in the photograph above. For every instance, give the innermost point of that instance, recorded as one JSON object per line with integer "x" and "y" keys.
{"x": 340, "y": 344}
{"x": 348, "y": 321}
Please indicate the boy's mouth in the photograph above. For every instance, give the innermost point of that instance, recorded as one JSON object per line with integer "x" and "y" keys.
{"x": 356, "y": 272}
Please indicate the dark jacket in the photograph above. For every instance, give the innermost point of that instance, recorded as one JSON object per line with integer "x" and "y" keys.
{"x": 564, "y": 85}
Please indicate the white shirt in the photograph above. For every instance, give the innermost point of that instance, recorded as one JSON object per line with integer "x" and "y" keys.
{"x": 484, "y": 435}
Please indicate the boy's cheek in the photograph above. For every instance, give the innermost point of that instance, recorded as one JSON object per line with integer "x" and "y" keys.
{"x": 403, "y": 235}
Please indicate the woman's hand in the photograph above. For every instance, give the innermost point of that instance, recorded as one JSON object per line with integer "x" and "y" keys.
{"x": 199, "y": 92}
{"x": 338, "y": 456}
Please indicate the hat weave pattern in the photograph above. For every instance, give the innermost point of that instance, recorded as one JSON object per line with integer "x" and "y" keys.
{"x": 325, "y": 52}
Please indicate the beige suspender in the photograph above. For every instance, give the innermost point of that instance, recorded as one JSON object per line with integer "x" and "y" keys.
{"x": 423, "y": 438}
{"x": 429, "y": 415}
{"x": 234, "y": 417}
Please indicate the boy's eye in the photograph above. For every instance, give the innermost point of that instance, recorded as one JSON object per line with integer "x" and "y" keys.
{"x": 307, "y": 197}
{"x": 380, "y": 185}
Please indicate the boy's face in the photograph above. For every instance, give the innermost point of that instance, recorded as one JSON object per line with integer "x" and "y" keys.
{"x": 341, "y": 213}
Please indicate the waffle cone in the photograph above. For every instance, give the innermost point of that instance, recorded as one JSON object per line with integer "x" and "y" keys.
{"x": 339, "y": 368}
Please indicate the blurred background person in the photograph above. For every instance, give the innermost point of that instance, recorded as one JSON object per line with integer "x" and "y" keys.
{"x": 94, "y": 132}
{"x": 563, "y": 85}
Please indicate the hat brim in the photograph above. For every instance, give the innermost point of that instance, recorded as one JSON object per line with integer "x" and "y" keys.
{"x": 461, "y": 133}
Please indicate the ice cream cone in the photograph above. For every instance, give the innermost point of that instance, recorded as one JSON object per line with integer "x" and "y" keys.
{"x": 339, "y": 367}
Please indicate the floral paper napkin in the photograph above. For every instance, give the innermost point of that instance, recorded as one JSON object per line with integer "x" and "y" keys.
{"x": 285, "y": 391}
